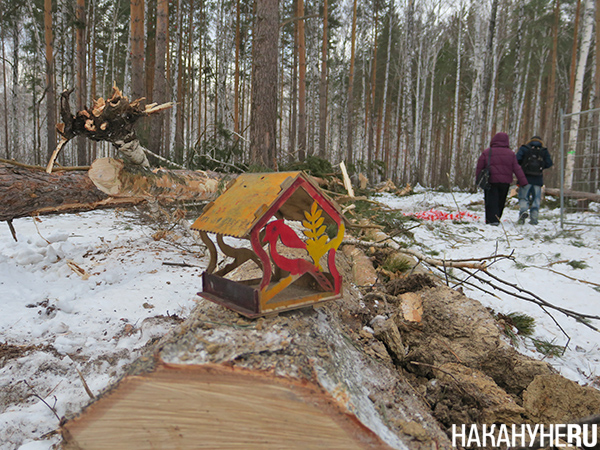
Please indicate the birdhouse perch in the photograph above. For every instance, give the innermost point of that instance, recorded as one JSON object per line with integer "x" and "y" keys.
{"x": 285, "y": 216}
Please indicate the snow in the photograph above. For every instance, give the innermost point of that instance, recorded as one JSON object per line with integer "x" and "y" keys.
{"x": 95, "y": 323}
{"x": 98, "y": 321}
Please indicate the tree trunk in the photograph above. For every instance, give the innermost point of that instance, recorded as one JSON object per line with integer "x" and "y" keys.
{"x": 180, "y": 105}
{"x": 205, "y": 403}
{"x": 236, "y": 80}
{"x": 25, "y": 192}
{"x": 137, "y": 48}
{"x": 82, "y": 158}
{"x": 385, "y": 155}
{"x": 586, "y": 41}
{"x": 293, "y": 128}
{"x": 150, "y": 60}
{"x": 370, "y": 107}
{"x": 263, "y": 124}
{"x": 407, "y": 113}
{"x": 301, "y": 84}
{"x": 295, "y": 381}
{"x": 160, "y": 82}
{"x": 350, "y": 128}
{"x": 5, "y": 96}
{"x": 551, "y": 97}
{"x": 487, "y": 74}
{"x": 117, "y": 179}
{"x": 323, "y": 87}
{"x": 574, "y": 194}
{"x": 15, "y": 117}
{"x": 573, "y": 68}
{"x": 50, "y": 86}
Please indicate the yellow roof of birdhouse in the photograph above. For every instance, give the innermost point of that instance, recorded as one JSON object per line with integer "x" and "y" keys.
{"x": 250, "y": 196}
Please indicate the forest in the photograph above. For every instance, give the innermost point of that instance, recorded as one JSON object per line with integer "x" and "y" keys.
{"x": 410, "y": 90}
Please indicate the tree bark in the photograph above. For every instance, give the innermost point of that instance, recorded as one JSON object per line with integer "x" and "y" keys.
{"x": 574, "y": 194}
{"x": 323, "y": 86}
{"x": 25, "y": 192}
{"x": 586, "y": 42}
{"x": 50, "y": 89}
{"x": 117, "y": 179}
{"x": 109, "y": 183}
{"x": 181, "y": 100}
{"x": 551, "y": 98}
{"x": 301, "y": 84}
{"x": 137, "y": 48}
{"x": 160, "y": 82}
{"x": 263, "y": 124}
{"x": 82, "y": 158}
{"x": 350, "y": 127}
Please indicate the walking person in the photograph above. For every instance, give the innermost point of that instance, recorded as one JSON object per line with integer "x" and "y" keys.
{"x": 503, "y": 164}
{"x": 533, "y": 158}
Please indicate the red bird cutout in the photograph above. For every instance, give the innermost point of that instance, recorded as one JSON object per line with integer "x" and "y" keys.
{"x": 298, "y": 266}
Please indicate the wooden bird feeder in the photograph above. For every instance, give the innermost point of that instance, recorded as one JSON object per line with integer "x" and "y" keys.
{"x": 285, "y": 216}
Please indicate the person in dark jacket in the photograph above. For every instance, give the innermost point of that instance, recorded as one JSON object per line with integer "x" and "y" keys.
{"x": 533, "y": 158}
{"x": 503, "y": 164}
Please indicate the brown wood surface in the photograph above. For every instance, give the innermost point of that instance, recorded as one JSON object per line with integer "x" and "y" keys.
{"x": 216, "y": 407}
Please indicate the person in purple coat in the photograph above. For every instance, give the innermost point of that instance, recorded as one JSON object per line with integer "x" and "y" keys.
{"x": 503, "y": 164}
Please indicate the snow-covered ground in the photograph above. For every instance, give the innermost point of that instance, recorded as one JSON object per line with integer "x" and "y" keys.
{"x": 84, "y": 293}
{"x": 93, "y": 323}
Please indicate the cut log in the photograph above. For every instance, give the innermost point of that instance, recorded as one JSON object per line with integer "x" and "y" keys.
{"x": 574, "y": 194}
{"x": 25, "y": 192}
{"x": 117, "y": 179}
{"x": 31, "y": 191}
{"x": 217, "y": 407}
{"x": 299, "y": 380}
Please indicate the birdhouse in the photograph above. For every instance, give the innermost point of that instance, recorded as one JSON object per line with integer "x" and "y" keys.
{"x": 288, "y": 227}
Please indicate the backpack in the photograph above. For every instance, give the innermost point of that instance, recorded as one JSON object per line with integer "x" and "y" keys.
{"x": 533, "y": 160}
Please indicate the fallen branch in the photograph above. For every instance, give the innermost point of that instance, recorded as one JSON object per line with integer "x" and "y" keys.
{"x": 567, "y": 276}
{"x": 468, "y": 263}
{"x": 35, "y": 394}
{"x": 42, "y": 169}
{"x": 55, "y": 153}
{"x": 580, "y": 317}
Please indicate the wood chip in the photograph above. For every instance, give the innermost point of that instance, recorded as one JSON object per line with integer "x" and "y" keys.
{"x": 78, "y": 270}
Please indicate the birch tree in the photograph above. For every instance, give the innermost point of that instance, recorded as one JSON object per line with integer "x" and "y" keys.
{"x": 586, "y": 42}
{"x": 454, "y": 149}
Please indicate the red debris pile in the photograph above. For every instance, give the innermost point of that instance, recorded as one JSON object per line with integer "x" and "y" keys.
{"x": 434, "y": 214}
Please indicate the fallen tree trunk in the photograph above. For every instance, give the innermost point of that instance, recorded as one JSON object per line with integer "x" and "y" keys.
{"x": 109, "y": 183}
{"x": 25, "y": 192}
{"x": 574, "y": 194}
{"x": 115, "y": 178}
